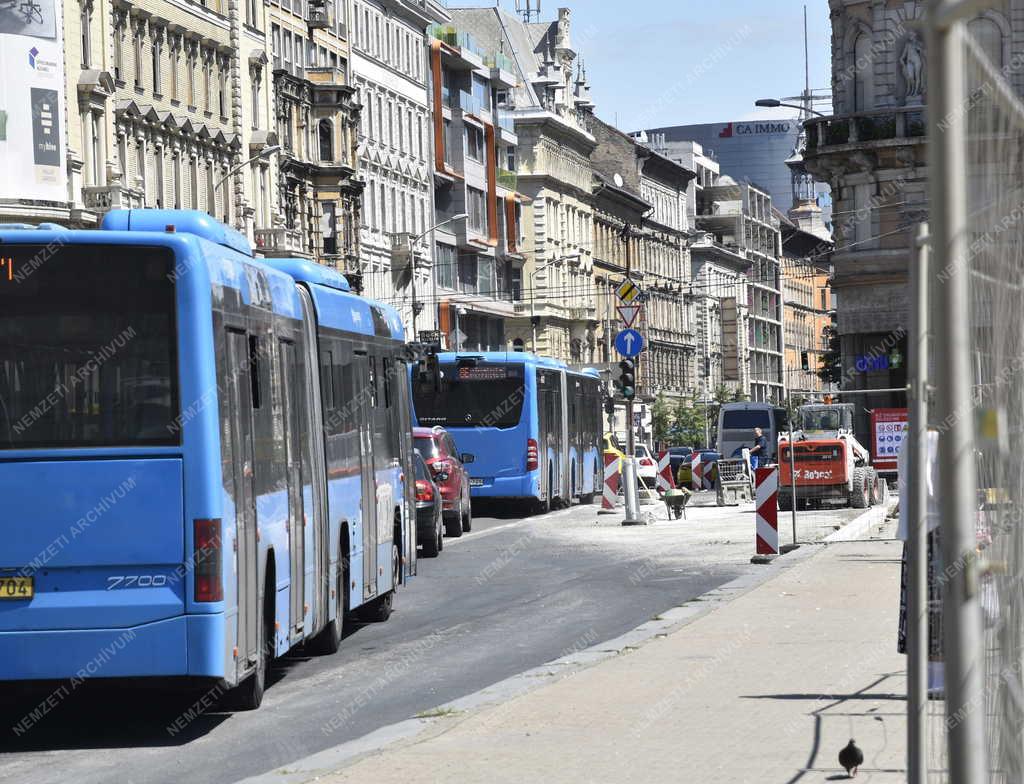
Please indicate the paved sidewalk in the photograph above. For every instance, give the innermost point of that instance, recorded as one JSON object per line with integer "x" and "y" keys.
{"x": 765, "y": 688}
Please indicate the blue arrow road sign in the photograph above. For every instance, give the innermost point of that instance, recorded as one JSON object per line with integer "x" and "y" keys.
{"x": 629, "y": 343}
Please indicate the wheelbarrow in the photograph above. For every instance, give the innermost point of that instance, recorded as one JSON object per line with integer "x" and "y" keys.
{"x": 675, "y": 501}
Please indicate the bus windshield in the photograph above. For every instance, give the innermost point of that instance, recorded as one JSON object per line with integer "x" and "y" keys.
{"x": 477, "y": 395}
{"x": 87, "y": 347}
{"x": 746, "y": 419}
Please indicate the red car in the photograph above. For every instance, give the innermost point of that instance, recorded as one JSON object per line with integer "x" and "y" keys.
{"x": 449, "y": 470}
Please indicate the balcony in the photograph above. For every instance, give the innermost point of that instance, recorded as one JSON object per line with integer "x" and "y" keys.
{"x": 451, "y": 36}
{"x": 469, "y": 103}
{"x": 317, "y": 16}
{"x": 103, "y": 198}
{"x": 905, "y": 124}
{"x": 279, "y": 241}
{"x": 507, "y": 179}
{"x": 506, "y": 120}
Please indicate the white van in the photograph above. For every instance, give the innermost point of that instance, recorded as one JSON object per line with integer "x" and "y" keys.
{"x": 736, "y": 423}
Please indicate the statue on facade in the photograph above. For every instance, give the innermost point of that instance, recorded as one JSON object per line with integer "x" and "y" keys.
{"x": 562, "y": 33}
{"x": 912, "y": 65}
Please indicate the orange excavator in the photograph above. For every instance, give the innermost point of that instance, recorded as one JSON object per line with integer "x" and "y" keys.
{"x": 828, "y": 462}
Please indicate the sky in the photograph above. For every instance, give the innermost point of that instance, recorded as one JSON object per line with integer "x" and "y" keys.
{"x": 654, "y": 63}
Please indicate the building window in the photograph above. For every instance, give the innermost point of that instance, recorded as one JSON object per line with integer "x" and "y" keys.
{"x": 138, "y": 56}
{"x": 481, "y": 92}
{"x": 207, "y": 84}
{"x": 275, "y": 46}
{"x": 97, "y": 141}
{"x": 140, "y": 164}
{"x": 251, "y": 13}
{"x": 326, "y": 133}
{"x": 190, "y": 67}
{"x": 175, "y": 53}
{"x": 119, "y": 52}
{"x": 176, "y": 178}
{"x": 155, "y": 62}
{"x": 222, "y": 90}
{"x": 477, "y": 210}
{"x": 474, "y": 143}
{"x": 256, "y": 90}
{"x": 989, "y": 37}
{"x": 194, "y": 184}
{"x": 864, "y": 76}
{"x": 86, "y": 22}
{"x": 445, "y": 265}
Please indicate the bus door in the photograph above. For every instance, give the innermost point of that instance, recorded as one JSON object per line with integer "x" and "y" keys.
{"x": 366, "y": 395}
{"x": 243, "y": 360}
{"x": 288, "y": 376}
{"x": 314, "y": 465}
{"x": 562, "y": 435}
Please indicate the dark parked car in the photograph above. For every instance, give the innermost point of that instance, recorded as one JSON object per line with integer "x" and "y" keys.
{"x": 678, "y": 455}
{"x": 447, "y": 469}
{"x": 429, "y": 522}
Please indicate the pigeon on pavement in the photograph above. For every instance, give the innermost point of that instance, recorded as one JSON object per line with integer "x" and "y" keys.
{"x": 851, "y": 757}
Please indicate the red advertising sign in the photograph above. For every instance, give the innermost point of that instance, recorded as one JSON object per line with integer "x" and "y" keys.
{"x": 888, "y": 427}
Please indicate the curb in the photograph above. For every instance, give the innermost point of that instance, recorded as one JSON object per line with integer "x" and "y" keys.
{"x": 860, "y": 525}
{"x": 334, "y": 759}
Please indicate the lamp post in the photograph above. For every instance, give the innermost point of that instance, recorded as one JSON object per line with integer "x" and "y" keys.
{"x": 773, "y": 103}
{"x": 533, "y": 298}
{"x": 412, "y": 261}
{"x": 263, "y": 154}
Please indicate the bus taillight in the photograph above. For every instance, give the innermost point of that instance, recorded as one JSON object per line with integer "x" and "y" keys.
{"x": 208, "y": 557}
{"x": 532, "y": 455}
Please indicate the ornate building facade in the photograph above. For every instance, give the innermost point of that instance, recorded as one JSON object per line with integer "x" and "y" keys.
{"x": 316, "y": 113}
{"x": 390, "y": 70}
{"x": 872, "y": 151}
{"x": 556, "y": 314}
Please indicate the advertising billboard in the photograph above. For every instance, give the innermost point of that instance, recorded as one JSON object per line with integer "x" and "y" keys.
{"x": 32, "y": 146}
{"x": 888, "y": 427}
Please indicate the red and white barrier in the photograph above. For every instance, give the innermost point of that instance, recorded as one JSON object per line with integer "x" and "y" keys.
{"x": 610, "y": 494}
{"x": 665, "y": 479}
{"x": 766, "y": 495}
{"x": 707, "y": 473}
{"x": 696, "y": 472}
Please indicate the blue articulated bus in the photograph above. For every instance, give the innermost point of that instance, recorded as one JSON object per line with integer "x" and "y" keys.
{"x": 203, "y": 455}
{"x": 532, "y": 424}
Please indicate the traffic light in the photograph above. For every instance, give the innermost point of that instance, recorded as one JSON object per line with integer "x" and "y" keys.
{"x": 805, "y": 361}
{"x": 627, "y": 378}
{"x": 609, "y": 406}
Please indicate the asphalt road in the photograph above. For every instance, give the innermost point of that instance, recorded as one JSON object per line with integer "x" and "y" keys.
{"x": 509, "y": 596}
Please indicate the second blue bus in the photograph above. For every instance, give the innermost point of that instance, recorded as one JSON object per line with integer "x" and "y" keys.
{"x": 532, "y": 424}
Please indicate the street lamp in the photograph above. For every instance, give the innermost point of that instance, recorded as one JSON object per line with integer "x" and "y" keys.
{"x": 266, "y": 152}
{"x": 533, "y": 298}
{"x": 412, "y": 261}
{"x": 774, "y": 103}
{"x": 263, "y": 154}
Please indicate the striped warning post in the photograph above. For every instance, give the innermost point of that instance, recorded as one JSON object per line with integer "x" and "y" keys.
{"x": 696, "y": 472}
{"x": 767, "y": 503}
{"x": 610, "y": 494}
{"x": 707, "y": 472}
{"x": 665, "y": 479}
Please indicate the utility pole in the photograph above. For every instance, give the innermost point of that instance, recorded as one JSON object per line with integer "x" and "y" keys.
{"x": 630, "y": 491}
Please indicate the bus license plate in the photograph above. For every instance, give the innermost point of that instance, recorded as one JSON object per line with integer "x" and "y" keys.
{"x": 16, "y": 588}
{"x": 476, "y": 482}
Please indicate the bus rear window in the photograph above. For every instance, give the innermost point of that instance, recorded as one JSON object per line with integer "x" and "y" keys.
{"x": 87, "y": 347}
{"x": 482, "y": 395}
{"x": 746, "y": 420}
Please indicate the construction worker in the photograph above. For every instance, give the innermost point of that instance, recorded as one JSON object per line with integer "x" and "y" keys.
{"x": 759, "y": 451}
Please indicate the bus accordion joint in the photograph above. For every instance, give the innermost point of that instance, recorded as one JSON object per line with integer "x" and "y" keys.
{"x": 208, "y": 557}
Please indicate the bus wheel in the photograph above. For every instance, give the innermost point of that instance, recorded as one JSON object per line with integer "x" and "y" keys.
{"x": 328, "y": 640}
{"x": 248, "y": 695}
{"x": 379, "y": 610}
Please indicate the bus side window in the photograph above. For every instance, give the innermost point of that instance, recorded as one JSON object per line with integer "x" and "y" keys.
{"x": 254, "y": 371}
